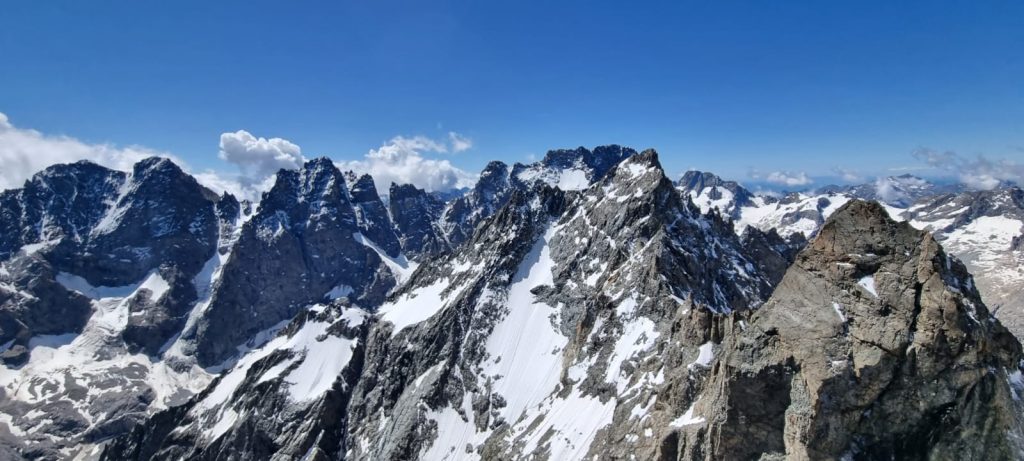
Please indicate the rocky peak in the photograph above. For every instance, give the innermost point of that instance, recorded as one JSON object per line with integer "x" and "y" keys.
{"x": 694, "y": 180}
{"x": 875, "y": 341}
{"x": 638, "y": 177}
{"x": 709, "y": 191}
{"x": 363, "y": 190}
{"x": 317, "y": 189}
{"x": 228, "y": 208}
{"x": 155, "y": 167}
{"x": 636, "y": 201}
{"x": 314, "y": 232}
{"x": 490, "y": 193}
{"x": 492, "y": 188}
{"x": 320, "y": 181}
{"x": 372, "y": 216}
{"x": 493, "y": 178}
{"x": 415, "y": 213}
{"x": 599, "y": 161}
{"x": 565, "y": 158}
{"x": 159, "y": 214}
{"x": 156, "y": 174}
{"x": 772, "y": 253}
{"x": 63, "y": 201}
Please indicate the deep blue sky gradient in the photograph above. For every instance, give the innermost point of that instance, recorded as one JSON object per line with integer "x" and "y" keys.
{"x": 725, "y": 86}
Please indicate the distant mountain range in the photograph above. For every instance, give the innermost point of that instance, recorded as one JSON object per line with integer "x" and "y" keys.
{"x": 582, "y": 306}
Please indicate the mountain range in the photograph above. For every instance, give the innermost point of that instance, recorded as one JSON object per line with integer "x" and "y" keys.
{"x": 583, "y": 306}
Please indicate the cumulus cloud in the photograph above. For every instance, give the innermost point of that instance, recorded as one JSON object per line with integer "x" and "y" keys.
{"x": 979, "y": 173}
{"x": 24, "y": 152}
{"x": 256, "y": 157}
{"x": 889, "y": 191}
{"x": 848, "y": 175}
{"x": 459, "y": 142}
{"x": 403, "y": 160}
{"x": 783, "y": 178}
{"x": 243, "y": 188}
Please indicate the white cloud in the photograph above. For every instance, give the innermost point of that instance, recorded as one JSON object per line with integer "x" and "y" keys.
{"x": 24, "y": 152}
{"x": 459, "y": 142}
{"x": 979, "y": 173}
{"x": 401, "y": 160}
{"x": 889, "y": 191}
{"x": 784, "y": 178}
{"x": 258, "y": 158}
{"x": 848, "y": 175}
{"x": 243, "y": 188}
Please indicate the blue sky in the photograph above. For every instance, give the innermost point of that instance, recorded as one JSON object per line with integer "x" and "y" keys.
{"x": 739, "y": 88}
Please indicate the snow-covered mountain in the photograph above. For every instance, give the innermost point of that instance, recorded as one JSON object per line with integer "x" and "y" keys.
{"x": 603, "y": 283}
{"x": 900, "y": 191}
{"x": 131, "y": 292}
{"x": 876, "y": 345}
{"x": 709, "y": 191}
{"x": 581, "y": 306}
{"x": 982, "y": 228}
{"x": 101, "y": 273}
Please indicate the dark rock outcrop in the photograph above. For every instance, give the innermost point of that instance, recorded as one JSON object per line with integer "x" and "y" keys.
{"x": 112, "y": 229}
{"x": 415, "y": 214}
{"x": 303, "y": 242}
{"x": 771, "y": 253}
{"x": 62, "y": 202}
{"x": 491, "y": 191}
{"x": 875, "y": 345}
{"x": 372, "y": 216}
{"x": 710, "y": 191}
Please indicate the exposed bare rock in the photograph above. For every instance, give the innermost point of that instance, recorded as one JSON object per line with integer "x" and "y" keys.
{"x": 876, "y": 345}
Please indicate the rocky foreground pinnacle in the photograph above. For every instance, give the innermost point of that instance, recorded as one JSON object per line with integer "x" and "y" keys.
{"x": 875, "y": 345}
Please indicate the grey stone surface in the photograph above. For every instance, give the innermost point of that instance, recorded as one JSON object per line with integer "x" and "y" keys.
{"x": 910, "y": 365}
